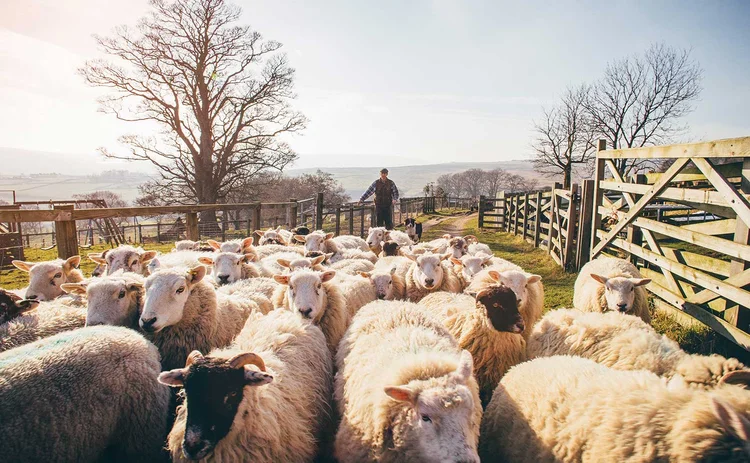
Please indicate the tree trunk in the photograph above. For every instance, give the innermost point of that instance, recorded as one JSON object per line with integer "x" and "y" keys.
{"x": 567, "y": 170}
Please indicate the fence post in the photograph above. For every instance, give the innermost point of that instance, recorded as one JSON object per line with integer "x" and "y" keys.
{"x": 570, "y": 231}
{"x": 481, "y": 211}
{"x": 191, "y": 222}
{"x": 293, "y": 208}
{"x": 515, "y": 213}
{"x": 257, "y": 218}
{"x": 351, "y": 220}
{"x": 67, "y": 237}
{"x": 635, "y": 235}
{"x": 158, "y": 232}
{"x": 584, "y": 231}
{"x": 401, "y": 211}
{"x": 525, "y": 215}
{"x": 537, "y": 218}
{"x": 737, "y": 315}
{"x": 319, "y": 212}
{"x": 552, "y": 219}
{"x": 338, "y": 220}
{"x": 362, "y": 221}
{"x": 596, "y": 224}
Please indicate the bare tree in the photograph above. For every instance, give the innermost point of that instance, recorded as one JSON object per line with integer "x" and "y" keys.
{"x": 219, "y": 91}
{"x": 565, "y": 136}
{"x": 640, "y": 100}
{"x": 493, "y": 181}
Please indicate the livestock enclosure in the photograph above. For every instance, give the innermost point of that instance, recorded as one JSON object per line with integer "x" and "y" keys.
{"x": 686, "y": 228}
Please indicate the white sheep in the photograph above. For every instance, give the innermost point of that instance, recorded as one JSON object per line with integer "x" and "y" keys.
{"x": 377, "y": 235}
{"x": 623, "y": 342}
{"x": 83, "y": 395}
{"x": 570, "y": 409}
{"x": 528, "y": 288}
{"x": 187, "y": 245}
{"x": 45, "y": 278}
{"x": 429, "y": 273}
{"x": 126, "y": 258}
{"x": 263, "y": 399}
{"x": 112, "y": 300}
{"x": 48, "y": 319}
{"x": 477, "y": 248}
{"x": 388, "y": 284}
{"x": 357, "y": 291}
{"x": 194, "y": 315}
{"x": 272, "y": 249}
{"x": 321, "y": 241}
{"x": 297, "y": 262}
{"x": 488, "y": 325}
{"x": 229, "y": 267}
{"x": 238, "y": 246}
{"x": 352, "y": 266}
{"x": 468, "y": 266}
{"x": 404, "y": 389}
{"x": 275, "y": 236}
{"x": 606, "y": 283}
{"x": 278, "y": 263}
{"x": 259, "y": 290}
{"x": 315, "y": 297}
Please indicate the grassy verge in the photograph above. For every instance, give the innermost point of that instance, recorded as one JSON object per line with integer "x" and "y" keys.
{"x": 14, "y": 279}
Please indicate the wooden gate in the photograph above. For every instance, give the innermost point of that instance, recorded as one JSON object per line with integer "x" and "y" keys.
{"x": 687, "y": 228}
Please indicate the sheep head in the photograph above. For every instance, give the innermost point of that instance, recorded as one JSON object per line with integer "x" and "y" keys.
{"x": 12, "y": 306}
{"x": 517, "y": 281}
{"x": 45, "y": 278}
{"x": 305, "y": 292}
{"x": 167, "y": 293}
{"x": 429, "y": 271}
{"x": 502, "y": 308}
{"x": 620, "y": 291}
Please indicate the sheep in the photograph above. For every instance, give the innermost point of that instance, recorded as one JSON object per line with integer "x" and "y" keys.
{"x": 477, "y": 248}
{"x": 352, "y": 266}
{"x": 263, "y": 399}
{"x": 527, "y": 287}
{"x": 271, "y": 249}
{"x": 623, "y": 342}
{"x": 468, "y": 266}
{"x": 351, "y": 254}
{"x": 112, "y": 300}
{"x": 389, "y": 249}
{"x": 48, "y": 319}
{"x": 187, "y": 245}
{"x": 315, "y": 263}
{"x": 12, "y": 306}
{"x": 567, "y": 409}
{"x": 404, "y": 389}
{"x": 230, "y": 267}
{"x": 489, "y": 326}
{"x": 182, "y": 312}
{"x": 259, "y": 290}
{"x": 277, "y": 264}
{"x": 316, "y": 298}
{"x": 612, "y": 284}
{"x": 429, "y": 273}
{"x": 275, "y": 236}
{"x": 377, "y": 235}
{"x": 238, "y": 246}
{"x": 84, "y": 395}
{"x": 388, "y": 284}
{"x": 125, "y": 258}
{"x": 100, "y": 269}
{"x": 325, "y": 242}
{"x": 45, "y": 278}
{"x": 357, "y": 291}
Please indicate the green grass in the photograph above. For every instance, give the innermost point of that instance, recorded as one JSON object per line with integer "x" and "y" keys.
{"x": 15, "y": 279}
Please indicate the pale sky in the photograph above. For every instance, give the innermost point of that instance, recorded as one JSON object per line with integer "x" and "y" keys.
{"x": 388, "y": 82}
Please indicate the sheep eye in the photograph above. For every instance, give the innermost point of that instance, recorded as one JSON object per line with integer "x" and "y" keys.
{"x": 390, "y": 282}
{"x": 426, "y": 419}
{"x": 58, "y": 275}
{"x": 632, "y": 289}
{"x": 180, "y": 290}
{"x": 122, "y": 294}
{"x": 320, "y": 285}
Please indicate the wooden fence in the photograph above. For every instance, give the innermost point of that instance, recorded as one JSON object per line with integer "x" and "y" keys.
{"x": 696, "y": 247}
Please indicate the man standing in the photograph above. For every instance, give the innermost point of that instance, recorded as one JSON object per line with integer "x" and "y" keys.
{"x": 386, "y": 195}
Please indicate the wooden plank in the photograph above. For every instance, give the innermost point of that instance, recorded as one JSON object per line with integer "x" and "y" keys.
{"x": 191, "y": 226}
{"x": 727, "y": 330}
{"x": 718, "y": 305}
{"x": 713, "y": 228}
{"x": 638, "y": 207}
{"x": 739, "y": 315}
{"x": 596, "y": 223}
{"x": 698, "y": 261}
{"x": 570, "y": 230}
{"x": 66, "y": 235}
{"x": 738, "y": 202}
{"x": 537, "y": 219}
{"x": 727, "y": 148}
{"x": 525, "y": 216}
{"x": 693, "y": 174}
{"x": 584, "y": 231}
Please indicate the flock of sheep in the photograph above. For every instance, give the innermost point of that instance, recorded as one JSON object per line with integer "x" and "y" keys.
{"x": 310, "y": 347}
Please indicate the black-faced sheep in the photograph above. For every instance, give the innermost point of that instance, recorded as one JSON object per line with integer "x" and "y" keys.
{"x": 612, "y": 284}
{"x": 12, "y": 306}
{"x": 570, "y": 409}
{"x": 404, "y": 389}
{"x": 263, "y": 399}
{"x": 85, "y": 395}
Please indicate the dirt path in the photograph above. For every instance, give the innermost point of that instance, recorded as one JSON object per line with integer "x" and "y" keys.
{"x": 455, "y": 227}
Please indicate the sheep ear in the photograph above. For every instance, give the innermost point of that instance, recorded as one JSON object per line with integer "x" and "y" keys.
{"x": 393, "y": 270}
{"x": 214, "y": 244}
{"x": 640, "y": 281}
{"x": 387, "y": 235}
{"x": 283, "y": 279}
{"x": 739, "y": 377}
{"x": 329, "y": 255}
{"x": 480, "y": 294}
{"x": 250, "y": 257}
{"x": 71, "y": 263}
{"x": 206, "y": 260}
{"x": 300, "y": 238}
{"x": 196, "y": 274}
{"x": 147, "y": 257}
{"x": 255, "y": 377}
{"x": 154, "y": 264}
{"x": 136, "y": 285}
{"x": 470, "y": 238}
{"x": 494, "y": 274}
{"x": 260, "y": 233}
{"x": 599, "y": 278}
{"x": 27, "y": 304}
{"x": 329, "y": 236}
{"x": 174, "y": 378}
{"x": 457, "y": 262}
{"x": 465, "y": 367}
{"x": 21, "y": 265}
{"x": 533, "y": 279}
{"x": 318, "y": 260}
{"x": 485, "y": 258}
{"x": 734, "y": 423}
{"x": 473, "y": 294}
{"x": 247, "y": 242}
{"x": 283, "y": 262}
{"x": 410, "y": 256}
{"x": 97, "y": 258}
{"x": 364, "y": 274}
{"x": 401, "y": 394}
{"x": 74, "y": 288}
{"x": 327, "y": 276}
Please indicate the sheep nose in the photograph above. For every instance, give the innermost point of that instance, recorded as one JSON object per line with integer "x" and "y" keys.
{"x": 148, "y": 325}
{"x": 223, "y": 279}
{"x": 429, "y": 281}
{"x": 306, "y": 312}
{"x": 519, "y": 327}
{"x": 381, "y": 296}
{"x": 32, "y": 296}
{"x": 193, "y": 448}
{"x": 622, "y": 307}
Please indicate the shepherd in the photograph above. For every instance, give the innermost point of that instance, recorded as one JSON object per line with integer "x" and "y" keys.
{"x": 386, "y": 195}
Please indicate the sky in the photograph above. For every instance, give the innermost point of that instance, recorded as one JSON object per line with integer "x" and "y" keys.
{"x": 382, "y": 83}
